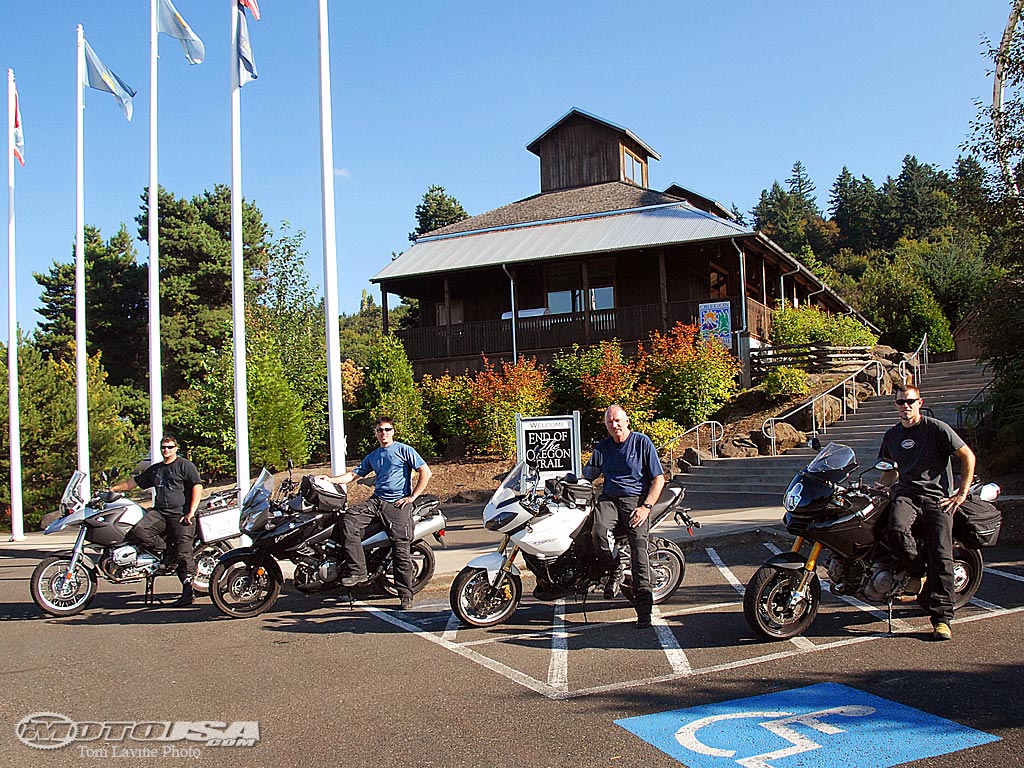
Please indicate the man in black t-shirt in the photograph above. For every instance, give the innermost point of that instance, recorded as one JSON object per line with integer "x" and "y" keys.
{"x": 922, "y": 448}
{"x": 172, "y": 518}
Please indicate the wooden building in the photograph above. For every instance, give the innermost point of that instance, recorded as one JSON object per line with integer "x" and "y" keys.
{"x": 595, "y": 255}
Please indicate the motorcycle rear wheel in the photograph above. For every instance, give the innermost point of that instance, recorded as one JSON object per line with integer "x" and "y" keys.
{"x": 668, "y": 567}
{"x": 423, "y": 562}
{"x": 766, "y": 604}
{"x": 478, "y": 604}
{"x": 206, "y": 557}
{"x": 968, "y": 567}
{"x": 242, "y": 590}
{"x": 59, "y": 593}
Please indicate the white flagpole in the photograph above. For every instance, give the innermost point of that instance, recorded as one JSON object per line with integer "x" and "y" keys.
{"x": 81, "y": 383}
{"x": 237, "y": 268}
{"x": 335, "y": 408}
{"x": 156, "y": 411}
{"x": 14, "y": 422}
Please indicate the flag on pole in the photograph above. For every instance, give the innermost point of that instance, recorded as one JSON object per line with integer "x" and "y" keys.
{"x": 170, "y": 22}
{"x": 18, "y": 133}
{"x": 246, "y": 63}
{"x": 253, "y": 6}
{"x": 102, "y": 79}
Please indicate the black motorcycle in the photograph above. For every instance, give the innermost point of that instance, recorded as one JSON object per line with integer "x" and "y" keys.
{"x": 847, "y": 524}
{"x": 302, "y": 525}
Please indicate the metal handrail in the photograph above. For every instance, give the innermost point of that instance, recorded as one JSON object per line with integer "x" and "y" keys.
{"x": 768, "y": 428}
{"x": 717, "y": 433}
{"x": 981, "y": 397}
{"x": 921, "y": 356}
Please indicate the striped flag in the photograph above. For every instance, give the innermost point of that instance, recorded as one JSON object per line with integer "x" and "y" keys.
{"x": 253, "y": 6}
{"x": 170, "y": 22}
{"x": 246, "y": 62}
{"x": 19, "y": 133}
{"x": 98, "y": 76}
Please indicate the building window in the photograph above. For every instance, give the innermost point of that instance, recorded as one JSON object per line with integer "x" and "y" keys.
{"x": 565, "y": 292}
{"x": 632, "y": 167}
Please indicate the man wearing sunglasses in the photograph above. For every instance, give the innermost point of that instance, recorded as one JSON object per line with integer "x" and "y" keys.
{"x": 923, "y": 448}
{"x": 172, "y": 518}
{"x": 393, "y": 496}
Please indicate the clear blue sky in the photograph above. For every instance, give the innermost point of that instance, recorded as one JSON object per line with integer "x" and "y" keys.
{"x": 729, "y": 94}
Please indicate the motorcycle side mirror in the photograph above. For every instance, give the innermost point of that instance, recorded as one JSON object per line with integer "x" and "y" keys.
{"x": 814, "y": 443}
{"x": 883, "y": 465}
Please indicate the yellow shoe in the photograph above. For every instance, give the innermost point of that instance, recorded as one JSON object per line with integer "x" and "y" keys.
{"x": 942, "y": 631}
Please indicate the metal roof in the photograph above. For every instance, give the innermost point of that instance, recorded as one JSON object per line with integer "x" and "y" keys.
{"x": 572, "y": 236}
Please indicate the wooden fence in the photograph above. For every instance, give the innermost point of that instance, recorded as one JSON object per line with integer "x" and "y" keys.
{"x": 814, "y": 358}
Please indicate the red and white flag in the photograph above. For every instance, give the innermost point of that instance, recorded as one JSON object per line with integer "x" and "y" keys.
{"x": 16, "y": 130}
{"x": 253, "y": 6}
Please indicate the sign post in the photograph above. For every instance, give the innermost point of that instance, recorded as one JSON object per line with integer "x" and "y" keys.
{"x": 550, "y": 443}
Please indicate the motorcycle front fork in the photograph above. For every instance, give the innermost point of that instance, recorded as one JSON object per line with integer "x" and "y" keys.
{"x": 807, "y": 572}
{"x": 76, "y": 553}
{"x": 508, "y": 557}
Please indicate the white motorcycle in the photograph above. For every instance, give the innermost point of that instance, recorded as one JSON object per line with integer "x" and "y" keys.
{"x": 552, "y": 530}
{"x": 65, "y": 584}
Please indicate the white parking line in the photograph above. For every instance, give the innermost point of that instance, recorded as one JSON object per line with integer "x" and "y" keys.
{"x": 451, "y": 628}
{"x": 724, "y": 570}
{"x": 985, "y": 604}
{"x": 558, "y": 667}
{"x": 1004, "y": 574}
{"x": 676, "y": 655}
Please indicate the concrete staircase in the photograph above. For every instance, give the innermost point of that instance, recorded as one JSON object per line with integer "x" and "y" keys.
{"x": 762, "y": 481}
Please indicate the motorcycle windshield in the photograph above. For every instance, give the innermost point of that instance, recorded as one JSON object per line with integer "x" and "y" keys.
{"x": 73, "y": 492}
{"x": 261, "y": 490}
{"x": 834, "y": 462}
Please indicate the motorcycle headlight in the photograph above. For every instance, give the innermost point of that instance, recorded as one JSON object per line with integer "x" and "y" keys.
{"x": 792, "y": 500}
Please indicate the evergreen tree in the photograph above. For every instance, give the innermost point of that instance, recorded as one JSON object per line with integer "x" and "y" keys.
{"x": 437, "y": 209}
{"x": 853, "y": 205}
{"x": 115, "y": 308}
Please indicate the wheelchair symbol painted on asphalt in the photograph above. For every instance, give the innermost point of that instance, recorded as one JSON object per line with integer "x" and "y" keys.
{"x": 820, "y": 726}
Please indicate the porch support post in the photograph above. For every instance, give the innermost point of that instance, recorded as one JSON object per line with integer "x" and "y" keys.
{"x": 743, "y": 334}
{"x": 447, "y": 318}
{"x": 663, "y": 289}
{"x": 586, "y": 303}
{"x": 384, "y": 308}
{"x": 512, "y": 298}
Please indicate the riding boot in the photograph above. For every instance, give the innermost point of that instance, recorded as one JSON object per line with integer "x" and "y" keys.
{"x": 644, "y": 604}
{"x": 188, "y": 595}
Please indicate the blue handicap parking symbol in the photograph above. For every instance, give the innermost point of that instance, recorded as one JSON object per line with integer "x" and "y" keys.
{"x": 820, "y": 726}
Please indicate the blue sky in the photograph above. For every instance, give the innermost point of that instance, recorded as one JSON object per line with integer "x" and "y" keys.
{"x": 729, "y": 94}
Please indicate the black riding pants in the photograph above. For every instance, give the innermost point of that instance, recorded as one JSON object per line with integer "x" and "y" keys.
{"x": 938, "y": 595}
{"x": 161, "y": 528}
{"x": 398, "y": 523}
{"x": 609, "y": 511}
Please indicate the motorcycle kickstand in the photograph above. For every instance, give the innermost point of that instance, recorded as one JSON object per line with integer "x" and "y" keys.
{"x": 890, "y": 615}
{"x": 149, "y": 598}
{"x": 351, "y": 602}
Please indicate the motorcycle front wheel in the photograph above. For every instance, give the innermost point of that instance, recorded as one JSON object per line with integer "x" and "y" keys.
{"x": 668, "y": 567}
{"x": 767, "y": 609}
{"x": 241, "y": 589}
{"x": 478, "y": 604}
{"x": 206, "y": 557}
{"x": 423, "y": 563}
{"x": 60, "y": 591}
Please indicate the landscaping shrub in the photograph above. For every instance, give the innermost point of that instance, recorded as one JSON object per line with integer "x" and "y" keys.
{"x": 783, "y": 382}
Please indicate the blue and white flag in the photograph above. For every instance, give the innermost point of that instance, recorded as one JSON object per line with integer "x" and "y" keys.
{"x": 170, "y": 22}
{"x": 246, "y": 62}
{"x": 98, "y": 76}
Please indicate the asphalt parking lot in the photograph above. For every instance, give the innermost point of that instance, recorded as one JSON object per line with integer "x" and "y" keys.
{"x": 334, "y": 683}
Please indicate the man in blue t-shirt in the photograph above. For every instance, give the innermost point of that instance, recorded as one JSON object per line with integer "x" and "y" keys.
{"x": 392, "y": 500}
{"x": 632, "y": 471}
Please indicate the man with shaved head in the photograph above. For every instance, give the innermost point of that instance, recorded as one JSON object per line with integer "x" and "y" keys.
{"x": 633, "y": 479}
